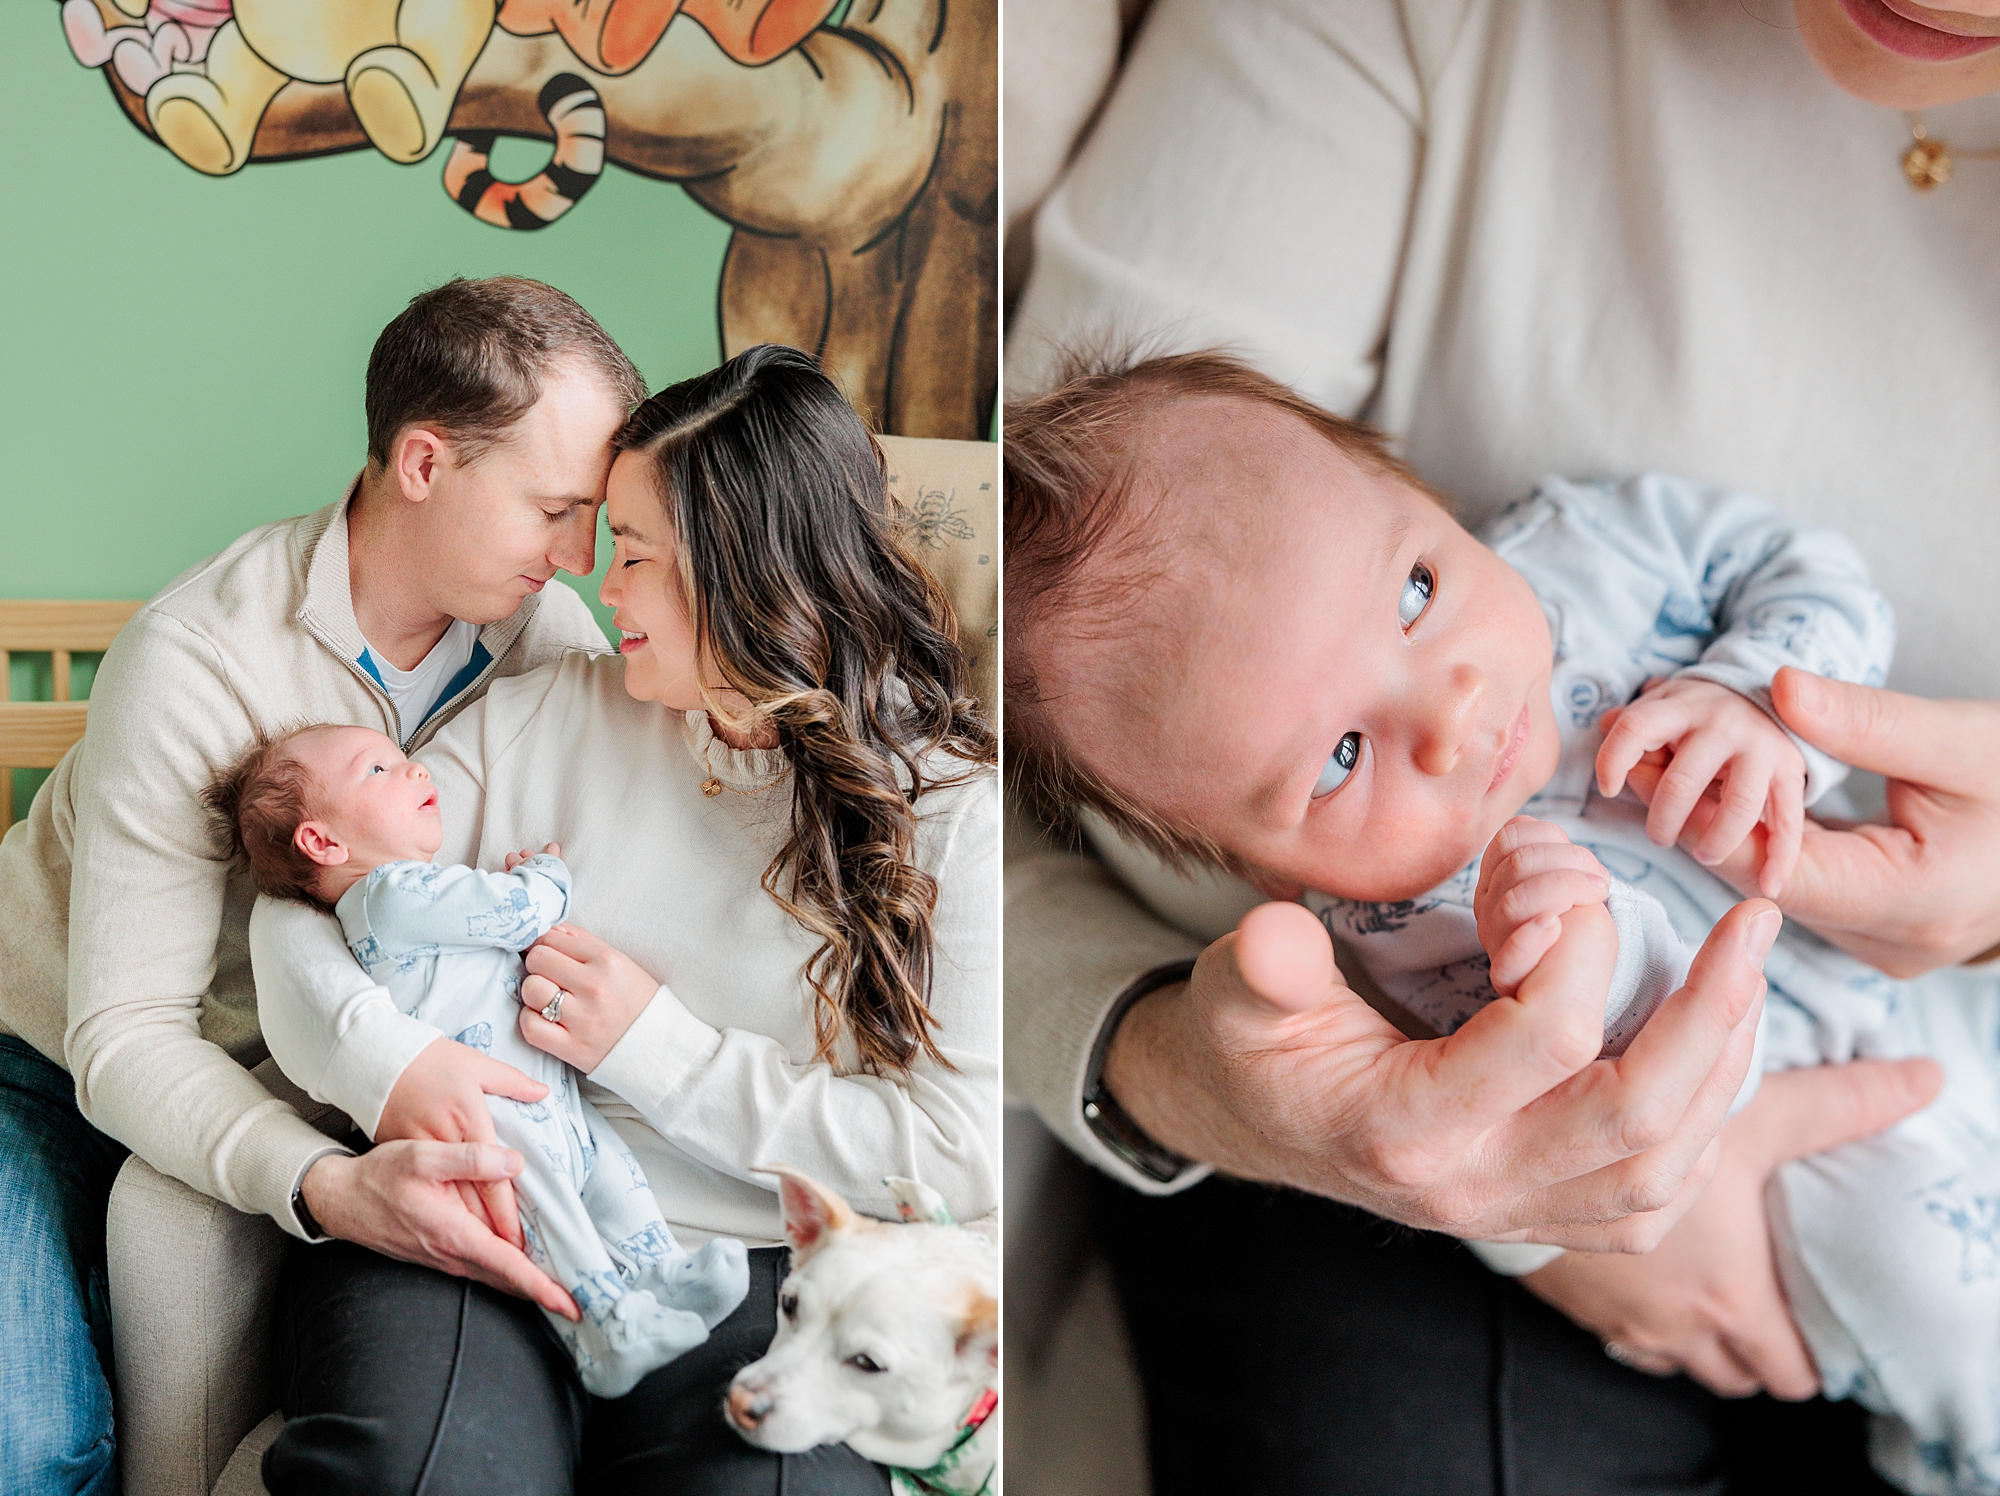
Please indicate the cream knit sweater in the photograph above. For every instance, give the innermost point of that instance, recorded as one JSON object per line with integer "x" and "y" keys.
{"x": 1531, "y": 236}
{"x": 123, "y": 948}
{"x": 717, "y": 1076}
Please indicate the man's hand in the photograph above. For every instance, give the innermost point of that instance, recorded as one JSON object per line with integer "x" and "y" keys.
{"x": 1920, "y": 892}
{"x": 441, "y": 1097}
{"x": 1266, "y": 1065}
{"x": 1529, "y": 877}
{"x": 1718, "y": 745}
{"x": 404, "y": 1200}
{"x": 1707, "y": 1300}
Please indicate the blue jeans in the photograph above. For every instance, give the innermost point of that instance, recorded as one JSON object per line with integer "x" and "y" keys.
{"x": 55, "y": 1310}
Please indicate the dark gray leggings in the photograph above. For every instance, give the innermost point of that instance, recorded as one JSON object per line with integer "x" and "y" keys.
{"x": 1289, "y": 1344}
{"x": 401, "y": 1381}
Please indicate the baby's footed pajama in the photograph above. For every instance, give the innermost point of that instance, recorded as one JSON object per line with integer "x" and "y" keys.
{"x": 447, "y": 943}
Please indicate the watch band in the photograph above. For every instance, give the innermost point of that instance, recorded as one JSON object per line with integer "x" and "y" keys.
{"x": 314, "y": 1231}
{"x": 312, "y": 1228}
{"x": 1109, "y": 1122}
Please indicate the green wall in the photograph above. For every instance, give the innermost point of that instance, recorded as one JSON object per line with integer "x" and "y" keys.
{"x": 184, "y": 355}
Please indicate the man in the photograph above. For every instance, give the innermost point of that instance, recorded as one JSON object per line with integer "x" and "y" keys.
{"x": 124, "y": 956}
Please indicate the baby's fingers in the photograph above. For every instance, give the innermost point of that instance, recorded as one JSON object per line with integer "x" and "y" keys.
{"x": 1554, "y": 892}
{"x": 1742, "y": 794}
{"x": 1787, "y": 821}
{"x": 1697, "y": 759}
{"x": 1631, "y": 734}
{"x": 1523, "y": 952}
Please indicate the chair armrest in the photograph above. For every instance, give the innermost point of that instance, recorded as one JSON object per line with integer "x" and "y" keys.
{"x": 193, "y": 1282}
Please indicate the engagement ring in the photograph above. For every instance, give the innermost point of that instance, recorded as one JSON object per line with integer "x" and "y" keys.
{"x": 553, "y": 1012}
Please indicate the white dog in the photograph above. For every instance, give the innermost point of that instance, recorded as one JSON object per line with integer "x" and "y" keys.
{"x": 888, "y": 1340}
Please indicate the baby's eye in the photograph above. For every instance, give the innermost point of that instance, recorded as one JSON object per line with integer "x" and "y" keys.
{"x": 1339, "y": 764}
{"x": 377, "y": 769}
{"x": 1416, "y": 596}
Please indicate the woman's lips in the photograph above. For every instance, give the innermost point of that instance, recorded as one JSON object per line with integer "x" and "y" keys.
{"x": 1894, "y": 29}
{"x": 1512, "y": 753}
{"x": 626, "y": 646}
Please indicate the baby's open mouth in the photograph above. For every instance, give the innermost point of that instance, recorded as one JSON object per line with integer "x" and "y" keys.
{"x": 1512, "y": 752}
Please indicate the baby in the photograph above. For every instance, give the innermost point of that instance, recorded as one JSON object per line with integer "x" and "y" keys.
{"x": 1345, "y": 692}
{"x": 337, "y": 816}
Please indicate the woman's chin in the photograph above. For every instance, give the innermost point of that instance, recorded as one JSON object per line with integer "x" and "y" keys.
{"x": 1859, "y": 65}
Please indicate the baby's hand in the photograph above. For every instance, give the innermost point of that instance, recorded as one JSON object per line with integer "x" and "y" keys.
{"x": 1529, "y": 877}
{"x": 1721, "y": 745}
{"x": 515, "y": 859}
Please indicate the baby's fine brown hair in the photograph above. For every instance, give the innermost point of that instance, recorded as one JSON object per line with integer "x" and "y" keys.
{"x": 1068, "y": 460}
{"x": 257, "y": 803}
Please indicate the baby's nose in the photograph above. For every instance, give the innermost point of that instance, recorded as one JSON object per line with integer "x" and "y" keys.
{"x": 419, "y": 771}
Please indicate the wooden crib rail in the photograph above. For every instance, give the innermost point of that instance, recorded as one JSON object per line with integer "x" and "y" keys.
{"x": 36, "y": 734}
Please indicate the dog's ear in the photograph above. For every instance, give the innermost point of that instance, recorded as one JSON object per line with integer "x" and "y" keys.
{"x": 979, "y": 1331}
{"x": 813, "y": 1213}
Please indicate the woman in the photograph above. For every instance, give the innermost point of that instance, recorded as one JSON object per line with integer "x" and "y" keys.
{"x": 1535, "y": 237}
{"x": 778, "y": 803}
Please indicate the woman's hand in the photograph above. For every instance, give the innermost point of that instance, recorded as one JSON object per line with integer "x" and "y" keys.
{"x": 1918, "y": 893}
{"x": 1707, "y": 1300}
{"x": 407, "y": 1200}
{"x": 1268, "y": 1066}
{"x": 603, "y": 991}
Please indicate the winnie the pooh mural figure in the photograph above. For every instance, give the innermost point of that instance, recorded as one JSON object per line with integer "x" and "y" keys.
{"x": 857, "y": 163}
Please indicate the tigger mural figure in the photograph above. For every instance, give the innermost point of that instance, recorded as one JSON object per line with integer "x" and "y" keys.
{"x": 208, "y": 75}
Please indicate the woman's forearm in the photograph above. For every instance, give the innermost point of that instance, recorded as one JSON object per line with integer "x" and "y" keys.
{"x": 739, "y": 1100}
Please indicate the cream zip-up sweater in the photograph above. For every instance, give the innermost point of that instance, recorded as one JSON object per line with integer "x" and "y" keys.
{"x": 716, "y": 1077}
{"x": 1528, "y": 237}
{"x": 124, "y": 951}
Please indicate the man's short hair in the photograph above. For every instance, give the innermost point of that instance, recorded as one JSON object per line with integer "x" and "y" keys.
{"x": 1068, "y": 463}
{"x": 256, "y": 804}
{"x": 469, "y": 358}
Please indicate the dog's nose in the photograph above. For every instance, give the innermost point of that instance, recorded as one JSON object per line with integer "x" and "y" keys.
{"x": 747, "y": 1409}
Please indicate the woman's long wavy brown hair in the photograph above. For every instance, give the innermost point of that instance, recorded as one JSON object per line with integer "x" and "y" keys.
{"x": 804, "y": 602}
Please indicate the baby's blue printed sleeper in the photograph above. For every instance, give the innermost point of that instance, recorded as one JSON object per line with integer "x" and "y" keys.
{"x": 1889, "y": 1247}
{"x": 447, "y": 943}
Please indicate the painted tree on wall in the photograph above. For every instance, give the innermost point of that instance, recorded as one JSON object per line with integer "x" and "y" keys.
{"x": 853, "y": 150}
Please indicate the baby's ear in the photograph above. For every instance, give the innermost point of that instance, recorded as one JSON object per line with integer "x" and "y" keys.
{"x": 814, "y": 1214}
{"x": 321, "y": 845}
{"x": 979, "y": 1331}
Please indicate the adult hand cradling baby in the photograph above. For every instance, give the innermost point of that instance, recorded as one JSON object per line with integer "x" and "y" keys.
{"x": 1510, "y": 1123}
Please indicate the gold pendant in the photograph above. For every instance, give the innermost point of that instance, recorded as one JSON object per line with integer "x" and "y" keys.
{"x": 711, "y": 786}
{"x": 1927, "y": 164}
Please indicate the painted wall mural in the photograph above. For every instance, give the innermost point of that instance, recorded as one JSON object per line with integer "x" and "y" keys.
{"x": 851, "y": 145}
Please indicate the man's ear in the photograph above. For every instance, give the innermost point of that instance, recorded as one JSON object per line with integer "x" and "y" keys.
{"x": 320, "y": 844}
{"x": 814, "y": 1214}
{"x": 979, "y": 1331}
{"x": 415, "y": 459}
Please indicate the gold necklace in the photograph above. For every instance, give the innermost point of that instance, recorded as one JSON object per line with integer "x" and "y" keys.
{"x": 1928, "y": 162}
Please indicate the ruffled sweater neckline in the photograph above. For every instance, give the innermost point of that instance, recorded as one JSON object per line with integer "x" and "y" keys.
{"x": 746, "y": 769}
